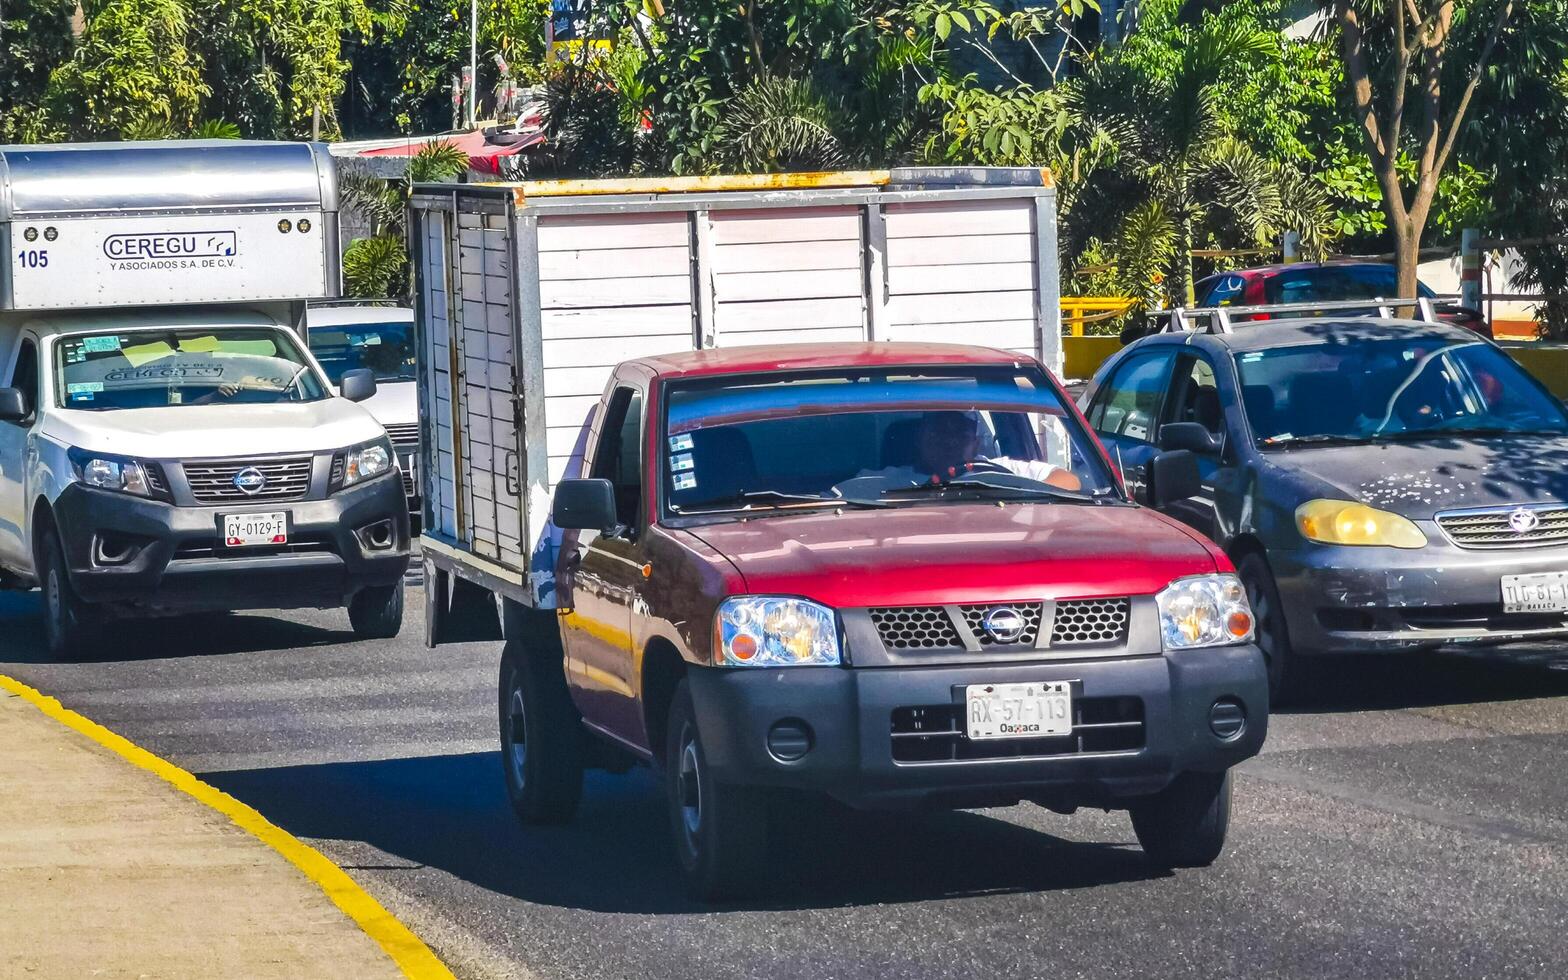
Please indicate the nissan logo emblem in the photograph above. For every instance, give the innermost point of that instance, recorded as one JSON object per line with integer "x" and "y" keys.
{"x": 1523, "y": 521}
{"x": 250, "y": 480}
{"x": 1004, "y": 624}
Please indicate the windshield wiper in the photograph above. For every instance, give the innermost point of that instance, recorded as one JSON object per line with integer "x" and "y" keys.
{"x": 778, "y": 499}
{"x": 980, "y": 484}
{"x": 1285, "y": 442}
{"x": 1416, "y": 435}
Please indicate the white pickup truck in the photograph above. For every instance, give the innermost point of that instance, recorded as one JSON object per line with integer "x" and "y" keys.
{"x": 167, "y": 441}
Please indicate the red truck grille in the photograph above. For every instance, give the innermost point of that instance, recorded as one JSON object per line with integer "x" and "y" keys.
{"x": 1075, "y": 622}
{"x": 935, "y": 733}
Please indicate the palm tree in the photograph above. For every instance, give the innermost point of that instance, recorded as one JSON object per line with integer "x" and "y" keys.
{"x": 377, "y": 267}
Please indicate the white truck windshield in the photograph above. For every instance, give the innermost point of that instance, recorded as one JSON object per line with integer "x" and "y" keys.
{"x": 385, "y": 348}
{"x": 194, "y": 366}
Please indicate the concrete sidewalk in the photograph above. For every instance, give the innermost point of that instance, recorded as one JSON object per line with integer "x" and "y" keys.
{"x": 106, "y": 870}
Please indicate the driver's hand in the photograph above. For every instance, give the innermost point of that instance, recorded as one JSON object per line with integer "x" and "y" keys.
{"x": 1065, "y": 479}
{"x": 228, "y": 390}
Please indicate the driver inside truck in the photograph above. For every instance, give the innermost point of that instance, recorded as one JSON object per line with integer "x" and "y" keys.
{"x": 947, "y": 441}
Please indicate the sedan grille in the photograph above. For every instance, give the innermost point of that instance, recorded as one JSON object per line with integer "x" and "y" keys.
{"x": 404, "y": 435}
{"x": 286, "y": 478}
{"x": 1506, "y": 527}
{"x": 916, "y": 628}
{"x": 1090, "y": 621}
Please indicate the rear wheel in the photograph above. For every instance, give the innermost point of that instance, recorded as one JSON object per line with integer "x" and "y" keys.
{"x": 67, "y": 619}
{"x": 720, "y": 830}
{"x": 1287, "y": 674}
{"x": 1184, "y": 825}
{"x": 541, "y": 735}
{"x": 377, "y": 613}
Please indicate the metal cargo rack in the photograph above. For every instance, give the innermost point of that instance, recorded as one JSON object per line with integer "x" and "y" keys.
{"x": 1223, "y": 319}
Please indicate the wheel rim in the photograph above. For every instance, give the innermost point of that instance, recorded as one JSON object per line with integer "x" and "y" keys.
{"x": 688, "y": 788}
{"x": 517, "y": 736}
{"x": 55, "y": 602}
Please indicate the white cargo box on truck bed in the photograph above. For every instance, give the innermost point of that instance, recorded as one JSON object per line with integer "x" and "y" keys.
{"x": 187, "y": 223}
{"x": 528, "y": 295}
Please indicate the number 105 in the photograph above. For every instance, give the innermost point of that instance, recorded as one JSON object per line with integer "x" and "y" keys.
{"x": 33, "y": 258}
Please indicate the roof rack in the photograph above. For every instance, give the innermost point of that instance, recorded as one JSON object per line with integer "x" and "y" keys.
{"x": 1222, "y": 319}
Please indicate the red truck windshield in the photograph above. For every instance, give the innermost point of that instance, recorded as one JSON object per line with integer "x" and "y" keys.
{"x": 875, "y": 434}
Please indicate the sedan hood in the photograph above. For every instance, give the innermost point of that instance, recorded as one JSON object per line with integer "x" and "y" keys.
{"x": 920, "y": 555}
{"x": 1420, "y": 479}
{"x": 215, "y": 431}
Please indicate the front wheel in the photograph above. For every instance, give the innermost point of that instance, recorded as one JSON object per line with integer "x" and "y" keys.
{"x": 1287, "y": 674}
{"x": 66, "y": 616}
{"x": 720, "y": 830}
{"x": 377, "y": 613}
{"x": 1184, "y": 825}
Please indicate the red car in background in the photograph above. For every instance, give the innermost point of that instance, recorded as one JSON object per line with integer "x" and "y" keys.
{"x": 1310, "y": 282}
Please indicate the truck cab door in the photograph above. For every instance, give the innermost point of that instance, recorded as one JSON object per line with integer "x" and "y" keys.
{"x": 1195, "y": 397}
{"x": 15, "y": 446}
{"x": 1125, "y": 413}
{"x": 605, "y": 577}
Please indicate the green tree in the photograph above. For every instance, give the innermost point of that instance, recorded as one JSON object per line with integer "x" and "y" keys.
{"x": 377, "y": 266}
{"x": 35, "y": 37}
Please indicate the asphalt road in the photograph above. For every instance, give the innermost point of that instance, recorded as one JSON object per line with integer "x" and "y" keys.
{"x": 1415, "y": 824}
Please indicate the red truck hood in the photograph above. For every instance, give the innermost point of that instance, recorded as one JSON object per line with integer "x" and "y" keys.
{"x": 959, "y": 553}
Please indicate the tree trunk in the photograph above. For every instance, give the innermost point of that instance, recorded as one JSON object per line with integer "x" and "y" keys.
{"x": 1407, "y": 256}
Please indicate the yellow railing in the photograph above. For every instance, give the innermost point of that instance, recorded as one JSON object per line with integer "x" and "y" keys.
{"x": 1077, "y": 311}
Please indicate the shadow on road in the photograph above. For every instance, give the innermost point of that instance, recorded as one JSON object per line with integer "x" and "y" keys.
{"x": 207, "y": 634}
{"x": 450, "y": 812}
{"x": 1385, "y": 682}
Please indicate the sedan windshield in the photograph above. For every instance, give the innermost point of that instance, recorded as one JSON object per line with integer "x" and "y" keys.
{"x": 192, "y": 366}
{"x": 875, "y": 438}
{"x": 387, "y": 348}
{"x": 1397, "y": 389}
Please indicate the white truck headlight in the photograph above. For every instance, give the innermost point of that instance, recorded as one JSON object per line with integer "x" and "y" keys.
{"x": 1204, "y": 611}
{"x": 112, "y": 473}
{"x": 775, "y": 631}
{"x": 369, "y": 460}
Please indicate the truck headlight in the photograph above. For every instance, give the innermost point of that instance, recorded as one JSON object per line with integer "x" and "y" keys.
{"x": 111, "y": 473}
{"x": 369, "y": 460}
{"x": 775, "y": 631}
{"x": 1347, "y": 522}
{"x": 1204, "y": 611}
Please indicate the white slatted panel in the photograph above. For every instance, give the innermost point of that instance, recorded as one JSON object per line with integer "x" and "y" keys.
{"x": 962, "y": 271}
{"x": 611, "y": 287}
{"x": 783, "y": 275}
{"x": 438, "y": 356}
{"x": 490, "y": 447}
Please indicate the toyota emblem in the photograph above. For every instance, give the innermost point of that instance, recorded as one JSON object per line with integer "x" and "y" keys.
{"x": 1004, "y": 624}
{"x": 1523, "y": 521}
{"x": 250, "y": 480}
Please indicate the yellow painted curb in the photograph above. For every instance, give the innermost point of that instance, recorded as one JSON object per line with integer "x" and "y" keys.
{"x": 410, "y": 954}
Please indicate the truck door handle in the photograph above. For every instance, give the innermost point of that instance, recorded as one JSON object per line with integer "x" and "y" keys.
{"x": 513, "y": 485}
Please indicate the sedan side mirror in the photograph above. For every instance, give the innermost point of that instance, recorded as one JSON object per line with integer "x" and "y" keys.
{"x": 584, "y": 505}
{"x": 358, "y": 385}
{"x": 13, "y": 406}
{"x": 1173, "y": 476}
{"x": 1191, "y": 436}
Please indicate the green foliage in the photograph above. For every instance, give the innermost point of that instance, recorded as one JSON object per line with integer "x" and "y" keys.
{"x": 778, "y": 124}
{"x": 35, "y": 36}
{"x": 376, "y": 267}
{"x": 216, "y": 129}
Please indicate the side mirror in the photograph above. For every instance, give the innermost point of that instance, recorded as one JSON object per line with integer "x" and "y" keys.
{"x": 1173, "y": 476}
{"x": 1191, "y": 436}
{"x": 358, "y": 385}
{"x": 584, "y": 505}
{"x": 13, "y": 407}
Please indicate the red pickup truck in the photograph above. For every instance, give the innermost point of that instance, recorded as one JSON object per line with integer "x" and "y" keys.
{"x": 899, "y": 575}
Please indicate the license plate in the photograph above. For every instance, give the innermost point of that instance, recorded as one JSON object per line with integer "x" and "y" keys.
{"x": 1019, "y": 710}
{"x": 244, "y": 530}
{"x": 1541, "y": 592}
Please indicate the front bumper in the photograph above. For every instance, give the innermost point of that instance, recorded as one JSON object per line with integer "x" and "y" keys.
{"x": 1387, "y": 600}
{"x": 148, "y": 554}
{"x": 853, "y": 715}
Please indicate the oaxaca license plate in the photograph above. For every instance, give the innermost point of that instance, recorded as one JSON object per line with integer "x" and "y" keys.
{"x": 1019, "y": 710}
{"x": 1540, "y": 592}
{"x": 242, "y": 530}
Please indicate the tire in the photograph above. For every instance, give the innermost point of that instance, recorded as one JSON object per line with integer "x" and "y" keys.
{"x": 67, "y": 619}
{"x": 377, "y": 613}
{"x": 720, "y": 830}
{"x": 541, "y": 735}
{"x": 1184, "y": 825}
{"x": 1288, "y": 676}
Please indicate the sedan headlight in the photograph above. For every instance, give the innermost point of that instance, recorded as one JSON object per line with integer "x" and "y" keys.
{"x": 1204, "y": 611}
{"x": 775, "y": 631}
{"x": 364, "y": 462}
{"x": 1347, "y": 522}
{"x": 112, "y": 473}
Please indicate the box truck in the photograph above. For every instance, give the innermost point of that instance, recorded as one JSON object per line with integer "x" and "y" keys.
{"x": 167, "y": 442}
